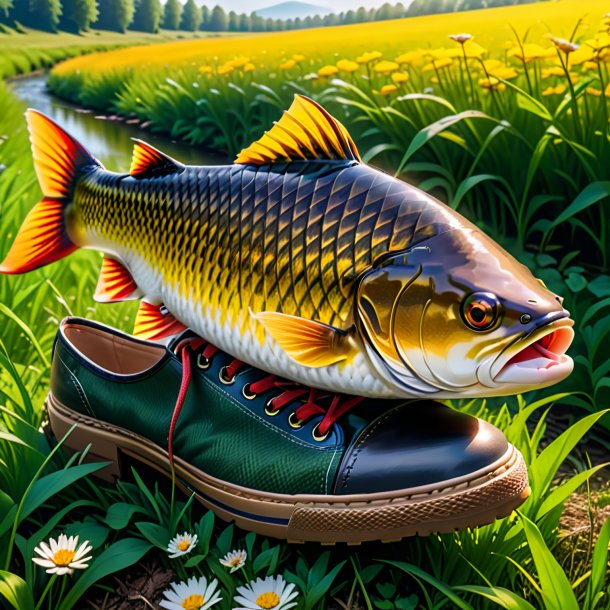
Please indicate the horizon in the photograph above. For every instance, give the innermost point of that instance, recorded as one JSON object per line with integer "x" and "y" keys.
{"x": 240, "y": 6}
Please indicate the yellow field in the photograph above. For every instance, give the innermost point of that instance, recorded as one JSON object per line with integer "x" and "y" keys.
{"x": 490, "y": 27}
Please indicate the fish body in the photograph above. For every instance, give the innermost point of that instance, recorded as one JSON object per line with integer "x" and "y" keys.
{"x": 303, "y": 261}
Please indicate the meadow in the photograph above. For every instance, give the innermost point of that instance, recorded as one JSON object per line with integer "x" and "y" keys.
{"x": 475, "y": 124}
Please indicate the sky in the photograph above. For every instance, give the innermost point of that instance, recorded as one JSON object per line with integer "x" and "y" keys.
{"x": 248, "y": 6}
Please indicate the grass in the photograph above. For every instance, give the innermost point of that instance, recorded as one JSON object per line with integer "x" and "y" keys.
{"x": 29, "y": 50}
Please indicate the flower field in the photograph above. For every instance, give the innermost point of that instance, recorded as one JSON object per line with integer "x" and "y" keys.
{"x": 511, "y": 128}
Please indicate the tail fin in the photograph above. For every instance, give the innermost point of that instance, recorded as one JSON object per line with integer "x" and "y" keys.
{"x": 43, "y": 238}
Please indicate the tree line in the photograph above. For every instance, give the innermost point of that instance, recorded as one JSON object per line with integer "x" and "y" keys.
{"x": 151, "y": 15}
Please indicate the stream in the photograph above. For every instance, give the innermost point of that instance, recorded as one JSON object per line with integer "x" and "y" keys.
{"x": 108, "y": 140}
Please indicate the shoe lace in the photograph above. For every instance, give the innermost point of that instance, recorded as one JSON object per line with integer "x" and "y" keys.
{"x": 331, "y": 406}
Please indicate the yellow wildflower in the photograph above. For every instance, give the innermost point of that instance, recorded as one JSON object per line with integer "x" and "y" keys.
{"x": 225, "y": 69}
{"x": 298, "y": 57}
{"x": 249, "y": 67}
{"x": 238, "y": 62}
{"x": 505, "y": 72}
{"x": 205, "y": 69}
{"x": 558, "y": 90}
{"x": 552, "y": 71}
{"x": 492, "y": 84}
{"x": 437, "y": 64}
{"x": 490, "y": 64}
{"x": 347, "y": 65}
{"x": 474, "y": 50}
{"x": 400, "y": 77}
{"x": 387, "y": 89}
{"x": 442, "y": 52}
{"x": 461, "y": 38}
{"x": 383, "y": 67}
{"x": 567, "y": 46}
{"x": 531, "y": 52}
{"x": 593, "y": 91}
{"x": 328, "y": 70}
{"x": 411, "y": 57}
{"x": 288, "y": 64}
{"x": 368, "y": 57}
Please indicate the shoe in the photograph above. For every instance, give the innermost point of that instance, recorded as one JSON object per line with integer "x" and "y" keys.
{"x": 276, "y": 457}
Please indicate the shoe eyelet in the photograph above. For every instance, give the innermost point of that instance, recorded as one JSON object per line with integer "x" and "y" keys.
{"x": 202, "y": 362}
{"x": 269, "y": 410}
{"x": 223, "y": 377}
{"x": 294, "y": 422}
{"x": 319, "y": 437}
{"x": 245, "y": 392}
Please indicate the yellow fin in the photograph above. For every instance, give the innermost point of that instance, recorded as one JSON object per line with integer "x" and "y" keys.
{"x": 115, "y": 283}
{"x": 307, "y": 342}
{"x": 155, "y": 322}
{"x": 147, "y": 161}
{"x": 305, "y": 131}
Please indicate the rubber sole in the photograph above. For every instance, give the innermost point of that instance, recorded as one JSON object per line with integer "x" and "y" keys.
{"x": 477, "y": 499}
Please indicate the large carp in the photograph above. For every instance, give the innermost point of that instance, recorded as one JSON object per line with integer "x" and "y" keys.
{"x": 301, "y": 260}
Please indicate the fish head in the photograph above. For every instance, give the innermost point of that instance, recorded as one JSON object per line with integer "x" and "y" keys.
{"x": 458, "y": 316}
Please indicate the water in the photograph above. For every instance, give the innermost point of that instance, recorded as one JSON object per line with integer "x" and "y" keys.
{"x": 108, "y": 141}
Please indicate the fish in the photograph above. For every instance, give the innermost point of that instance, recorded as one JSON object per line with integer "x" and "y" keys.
{"x": 302, "y": 260}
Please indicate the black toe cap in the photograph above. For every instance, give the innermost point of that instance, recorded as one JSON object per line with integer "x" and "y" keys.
{"x": 417, "y": 443}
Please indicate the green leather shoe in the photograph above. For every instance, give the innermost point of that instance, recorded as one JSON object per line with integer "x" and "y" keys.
{"x": 276, "y": 457}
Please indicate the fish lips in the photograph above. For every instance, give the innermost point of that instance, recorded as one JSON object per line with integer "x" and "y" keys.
{"x": 539, "y": 358}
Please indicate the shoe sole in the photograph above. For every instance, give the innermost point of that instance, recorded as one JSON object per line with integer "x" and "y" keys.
{"x": 470, "y": 501}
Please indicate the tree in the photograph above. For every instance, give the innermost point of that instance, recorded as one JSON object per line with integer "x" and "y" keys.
{"x": 257, "y": 24}
{"x": 45, "y": 14}
{"x": 218, "y": 20}
{"x": 78, "y": 15}
{"x": 5, "y": 9}
{"x": 244, "y": 23}
{"x": 233, "y": 21}
{"x": 171, "y": 15}
{"x": 147, "y": 16}
{"x": 115, "y": 14}
{"x": 191, "y": 16}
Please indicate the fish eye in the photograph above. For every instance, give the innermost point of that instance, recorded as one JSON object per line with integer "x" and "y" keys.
{"x": 481, "y": 310}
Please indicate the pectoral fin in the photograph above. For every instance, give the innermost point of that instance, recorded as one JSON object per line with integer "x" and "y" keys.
{"x": 155, "y": 322}
{"x": 115, "y": 283}
{"x": 309, "y": 343}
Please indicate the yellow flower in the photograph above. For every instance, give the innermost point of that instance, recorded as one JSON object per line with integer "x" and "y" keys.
{"x": 383, "y": 67}
{"x": 531, "y": 52}
{"x": 225, "y": 69}
{"x": 368, "y": 57}
{"x": 438, "y": 64}
{"x": 205, "y": 69}
{"x": 567, "y": 46}
{"x": 387, "y": 89}
{"x": 289, "y": 63}
{"x": 552, "y": 71}
{"x": 593, "y": 91}
{"x": 328, "y": 70}
{"x": 347, "y": 65}
{"x": 492, "y": 84}
{"x": 298, "y": 57}
{"x": 491, "y": 64}
{"x": 400, "y": 77}
{"x": 461, "y": 38}
{"x": 558, "y": 90}
{"x": 411, "y": 57}
{"x": 249, "y": 67}
{"x": 442, "y": 52}
{"x": 474, "y": 50}
{"x": 238, "y": 62}
{"x": 505, "y": 72}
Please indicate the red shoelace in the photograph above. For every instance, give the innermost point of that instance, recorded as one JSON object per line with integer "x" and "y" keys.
{"x": 337, "y": 405}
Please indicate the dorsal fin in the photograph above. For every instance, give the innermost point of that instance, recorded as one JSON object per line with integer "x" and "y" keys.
{"x": 305, "y": 131}
{"x": 148, "y": 161}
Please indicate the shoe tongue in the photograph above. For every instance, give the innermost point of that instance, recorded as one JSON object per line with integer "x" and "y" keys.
{"x": 176, "y": 339}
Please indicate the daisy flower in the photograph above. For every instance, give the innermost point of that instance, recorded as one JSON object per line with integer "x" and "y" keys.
{"x": 234, "y": 560}
{"x": 270, "y": 593}
{"x": 61, "y": 556}
{"x": 192, "y": 594}
{"x": 181, "y": 545}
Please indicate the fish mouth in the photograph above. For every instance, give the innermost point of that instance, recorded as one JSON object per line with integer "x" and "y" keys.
{"x": 538, "y": 358}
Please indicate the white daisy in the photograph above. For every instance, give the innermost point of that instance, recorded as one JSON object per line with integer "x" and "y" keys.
{"x": 62, "y": 556}
{"x": 193, "y": 594}
{"x": 182, "y": 544}
{"x": 234, "y": 560}
{"x": 272, "y": 592}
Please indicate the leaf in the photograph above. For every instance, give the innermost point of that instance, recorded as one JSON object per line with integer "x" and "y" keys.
{"x": 154, "y": 533}
{"x": 16, "y": 591}
{"x": 557, "y": 592}
{"x": 599, "y": 567}
{"x": 501, "y": 596}
{"x": 120, "y": 513}
{"x": 118, "y": 556}
{"x": 600, "y": 286}
{"x": 589, "y": 196}
{"x": 576, "y": 282}
{"x": 204, "y": 532}
{"x": 315, "y": 594}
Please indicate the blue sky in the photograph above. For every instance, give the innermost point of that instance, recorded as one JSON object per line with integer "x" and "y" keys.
{"x": 242, "y": 6}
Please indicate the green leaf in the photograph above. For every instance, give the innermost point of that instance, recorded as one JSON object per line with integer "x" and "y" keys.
{"x": 204, "y": 532}
{"x": 118, "y": 556}
{"x": 589, "y": 196}
{"x": 599, "y": 566}
{"x": 315, "y": 594}
{"x": 576, "y": 282}
{"x": 154, "y": 533}
{"x": 557, "y": 592}
{"x": 501, "y": 596}
{"x": 120, "y": 513}
{"x": 16, "y": 591}
{"x": 600, "y": 286}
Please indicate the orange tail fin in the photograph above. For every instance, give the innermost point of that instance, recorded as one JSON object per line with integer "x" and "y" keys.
{"x": 58, "y": 159}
